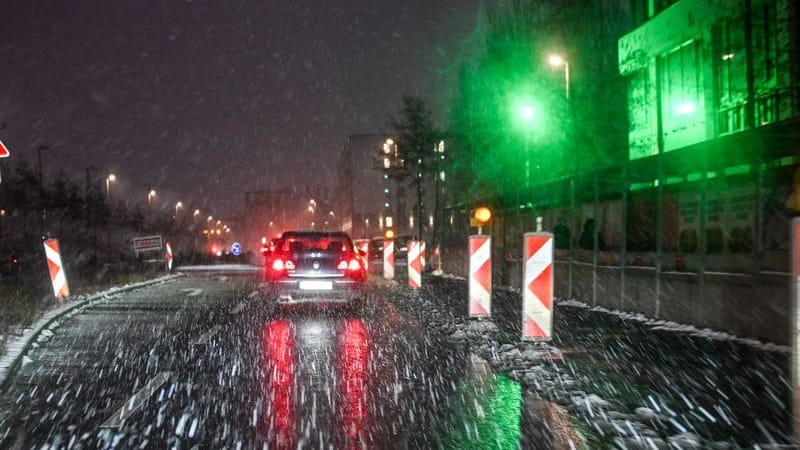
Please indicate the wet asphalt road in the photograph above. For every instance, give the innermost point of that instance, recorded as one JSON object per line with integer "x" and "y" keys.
{"x": 205, "y": 361}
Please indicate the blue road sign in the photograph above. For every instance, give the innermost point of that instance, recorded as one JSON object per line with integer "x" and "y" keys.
{"x": 236, "y": 249}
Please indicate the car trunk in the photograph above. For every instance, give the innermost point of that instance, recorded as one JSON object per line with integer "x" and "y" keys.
{"x": 317, "y": 263}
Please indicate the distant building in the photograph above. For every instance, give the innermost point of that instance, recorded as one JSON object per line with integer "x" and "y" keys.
{"x": 368, "y": 199}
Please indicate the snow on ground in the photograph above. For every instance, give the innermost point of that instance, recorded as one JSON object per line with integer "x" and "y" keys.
{"x": 15, "y": 346}
{"x": 666, "y": 325}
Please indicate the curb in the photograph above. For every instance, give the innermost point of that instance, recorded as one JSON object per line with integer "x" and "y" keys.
{"x": 18, "y": 347}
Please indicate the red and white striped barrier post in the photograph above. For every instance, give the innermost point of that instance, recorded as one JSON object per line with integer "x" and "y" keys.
{"x": 480, "y": 276}
{"x": 388, "y": 259}
{"x": 57, "y": 276}
{"x": 796, "y": 327}
{"x": 414, "y": 264}
{"x": 537, "y": 287}
{"x": 169, "y": 256}
{"x": 422, "y": 260}
{"x": 362, "y": 245}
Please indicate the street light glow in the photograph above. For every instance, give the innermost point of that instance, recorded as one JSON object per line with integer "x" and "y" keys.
{"x": 556, "y": 60}
{"x": 112, "y": 177}
{"x": 527, "y": 113}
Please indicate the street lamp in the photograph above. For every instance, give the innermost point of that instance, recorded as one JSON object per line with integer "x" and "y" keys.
{"x": 196, "y": 213}
{"x": 178, "y": 206}
{"x": 109, "y": 179}
{"x": 210, "y": 218}
{"x": 558, "y": 61}
{"x": 150, "y": 194}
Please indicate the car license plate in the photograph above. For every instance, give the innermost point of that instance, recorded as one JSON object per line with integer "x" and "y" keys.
{"x": 316, "y": 285}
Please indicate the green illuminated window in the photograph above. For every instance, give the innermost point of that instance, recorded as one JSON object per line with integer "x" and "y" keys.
{"x": 682, "y": 96}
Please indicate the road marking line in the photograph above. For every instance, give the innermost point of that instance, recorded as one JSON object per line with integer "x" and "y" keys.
{"x": 136, "y": 400}
{"x": 253, "y": 294}
{"x": 192, "y": 292}
{"x": 203, "y": 340}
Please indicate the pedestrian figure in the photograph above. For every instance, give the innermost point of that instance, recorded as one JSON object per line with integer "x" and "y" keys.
{"x": 561, "y": 235}
{"x": 586, "y": 240}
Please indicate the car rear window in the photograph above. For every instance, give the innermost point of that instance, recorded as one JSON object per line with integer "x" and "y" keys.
{"x": 323, "y": 243}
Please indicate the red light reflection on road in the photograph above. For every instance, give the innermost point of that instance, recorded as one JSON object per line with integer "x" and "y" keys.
{"x": 278, "y": 417}
{"x": 353, "y": 372}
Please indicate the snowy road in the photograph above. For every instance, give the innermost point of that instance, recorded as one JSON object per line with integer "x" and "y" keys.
{"x": 206, "y": 360}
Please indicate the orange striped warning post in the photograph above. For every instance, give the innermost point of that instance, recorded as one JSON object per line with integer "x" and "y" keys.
{"x": 414, "y": 265}
{"x": 388, "y": 259}
{"x": 537, "y": 287}
{"x": 796, "y": 326}
{"x": 480, "y": 276}
{"x": 169, "y": 256}
{"x": 57, "y": 276}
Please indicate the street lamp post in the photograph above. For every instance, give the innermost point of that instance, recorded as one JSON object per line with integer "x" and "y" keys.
{"x": 109, "y": 179}
{"x": 150, "y": 194}
{"x": 41, "y": 187}
{"x": 558, "y": 61}
{"x": 178, "y": 206}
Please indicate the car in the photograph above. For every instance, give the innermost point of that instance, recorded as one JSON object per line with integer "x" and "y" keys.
{"x": 270, "y": 250}
{"x": 316, "y": 265}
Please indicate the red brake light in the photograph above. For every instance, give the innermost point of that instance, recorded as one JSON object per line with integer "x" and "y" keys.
{"x": 342, "y": 265}
{"x": 278, "y": 265}
{"x": 354, "y": 265}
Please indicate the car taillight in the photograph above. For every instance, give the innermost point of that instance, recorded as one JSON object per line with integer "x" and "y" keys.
{"x": 354, "y": 265}
{"x": 278, "y": 265}
{"x": 289, "y": 265}
{"x": 342, "y": 265}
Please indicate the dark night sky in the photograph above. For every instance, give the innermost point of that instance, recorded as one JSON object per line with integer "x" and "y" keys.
{"x": 207, "y": 99}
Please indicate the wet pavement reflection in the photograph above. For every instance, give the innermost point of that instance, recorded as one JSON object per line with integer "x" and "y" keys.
{"x": 245, "y": 372}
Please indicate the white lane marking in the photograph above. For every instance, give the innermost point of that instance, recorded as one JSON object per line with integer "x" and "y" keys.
{"x": 238, "y": 308}
{"x": 252, "y": 294}
{"x": 222, "y": 278}
{"x": 203, "y": 340}
{"x": 136, "y": 400}
{"x": 192, "y": 292}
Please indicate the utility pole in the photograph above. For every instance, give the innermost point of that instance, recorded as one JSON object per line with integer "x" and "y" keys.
{"x": 41, "y": 190}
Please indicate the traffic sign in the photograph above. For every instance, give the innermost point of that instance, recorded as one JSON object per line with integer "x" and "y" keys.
{"x": 236, "y": 249}
{"x": 147, "y": 244}
{"x": 4, "y": 153}
{"x": 480, "y": 276}
{"x": 537, "y": 287}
